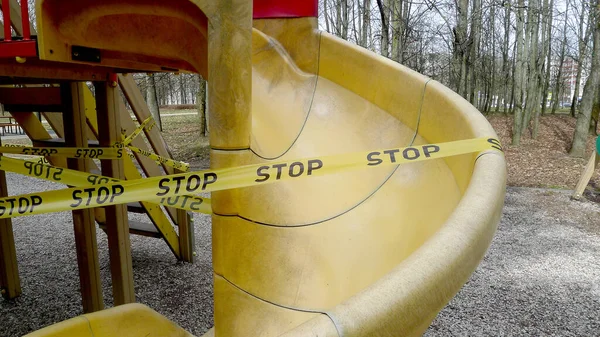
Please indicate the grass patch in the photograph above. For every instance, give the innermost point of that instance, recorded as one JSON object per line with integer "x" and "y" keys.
{"x": 182, "y": 135}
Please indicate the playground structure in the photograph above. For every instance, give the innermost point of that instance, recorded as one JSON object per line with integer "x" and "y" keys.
{"x": 361, "y": 253}
{"x": 59, "y": 93}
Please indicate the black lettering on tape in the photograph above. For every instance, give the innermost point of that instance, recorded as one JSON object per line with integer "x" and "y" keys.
{"x": 195, "y": 204}
{"x": 185, "y": 199}
{"x": 99, "y": 198}
{"x": 117, "y": 190}
{"x": 178, "y": 180}
{"x": 23, "y": 205}
{"x": 392, "y": 154}
{"x": 209, "y": 178}
{"x": 28, "y": 165}
{"x": 313, "y": 165}
{"x": 36, "y": 200}
{"x": 20, "y": 205}
{"x": 189, "y": 187}
{"x": 279, "y": 167}
{"x": 162, "y": 185}
{"x": 300, "y": 170}
{"x": 429, "y": 149}
{"x": 495, "y": 144}
{"x": 170, "y": 200}
{"x": 260, "y": 173}
{"x": 57, "y": 174}
{"x": 75, "y": 196}
{"x": 373, "y": 160}
{"x": 90, "y": 192}
{"x": 407, "y": 153}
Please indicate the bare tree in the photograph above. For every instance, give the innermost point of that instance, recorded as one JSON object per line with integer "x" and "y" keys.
{"x": 589, "y": 92}
{"x": 583, "y": 37}
{"x": 152, "y": 100}
{"x": 518, "y": 77}
{"x": 201, "y": 99}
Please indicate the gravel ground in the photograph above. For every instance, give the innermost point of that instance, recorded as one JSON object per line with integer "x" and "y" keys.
{"x": 540, "y": 277}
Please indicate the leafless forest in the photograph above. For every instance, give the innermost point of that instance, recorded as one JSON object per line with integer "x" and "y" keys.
{"x": 523, "y": 58}
{"x": 526, "y": 58}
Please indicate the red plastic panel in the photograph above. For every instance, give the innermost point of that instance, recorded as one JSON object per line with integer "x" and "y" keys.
{"x": 285, "y": 8}
{"x": 18, "y": 48}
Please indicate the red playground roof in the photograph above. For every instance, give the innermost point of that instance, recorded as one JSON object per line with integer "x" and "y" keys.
{"x": 285, "y": 8}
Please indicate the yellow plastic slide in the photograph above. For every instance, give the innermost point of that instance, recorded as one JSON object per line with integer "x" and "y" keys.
{"x": 372, "y": 252}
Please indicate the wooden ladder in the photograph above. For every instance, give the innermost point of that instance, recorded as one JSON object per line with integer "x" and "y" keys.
{"x": 22, "y": 102}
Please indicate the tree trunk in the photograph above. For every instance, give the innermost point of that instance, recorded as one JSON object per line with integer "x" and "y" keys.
{"x": 201, "y": 101}
{"x": 385, "y": 40}
{"x": 473, "y": 52}
{"x": 589, "y": 93}
{"x": 459, "y": 65}
{"x": 558, "y": 83}
{"x": 493, "y": 90}
{"x": 583, "y": 40}
{"x": 397, "y": 30}
{"x": 532, "y": 85}
{"x": 152, "y": 100}
{"x": 366, "y": 23}
{"x": 547, "y": 56}
{"x": 595, "y": 114}
{"x": 345, "y": 19}
{"x": 505, "y": 66}
{"x": 518, "y": 77}
{"x": 541, "y": 93}
{"x": 182, "y": 93}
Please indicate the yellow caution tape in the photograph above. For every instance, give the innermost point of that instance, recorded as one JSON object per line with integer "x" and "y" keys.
{"x": 37, "y": 169}
{"x": 93, "y": 153}
{"x": 149, "y": 121}
{"x": 162, "y": 160}
{"x": 154, "y": 188}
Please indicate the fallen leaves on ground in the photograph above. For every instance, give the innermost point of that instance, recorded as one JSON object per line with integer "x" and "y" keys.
{"x": 545, "y": 161}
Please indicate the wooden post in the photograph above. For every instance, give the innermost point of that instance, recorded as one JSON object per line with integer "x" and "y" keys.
{"x": 83, "y": 220}
{"x": 586, "y": 175}
{"x": 10, "y": 284}
{"x": 117, "y": 225}
{"x": 186, "y": 236}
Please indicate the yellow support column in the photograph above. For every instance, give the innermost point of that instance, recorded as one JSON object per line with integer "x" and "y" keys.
{"x": 83, "y": 220}
{"x": 109, "y": 132}
{"x": 230, "y": 119}
{"x": 10, "y": 284}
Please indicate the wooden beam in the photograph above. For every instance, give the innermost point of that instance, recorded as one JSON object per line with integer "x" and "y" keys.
{"x": 32, "y": 107}
{"x": 109, "y": 132}
{"x": 10, "y": 284}
{"x": 37, "y": 71}
{"x": 186, "y": 236}
{"x": 586, "y": 175}
{"x": 83, "y": 220}
{"x": 34, "y": 96}
{"x": 141, "y": 112}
